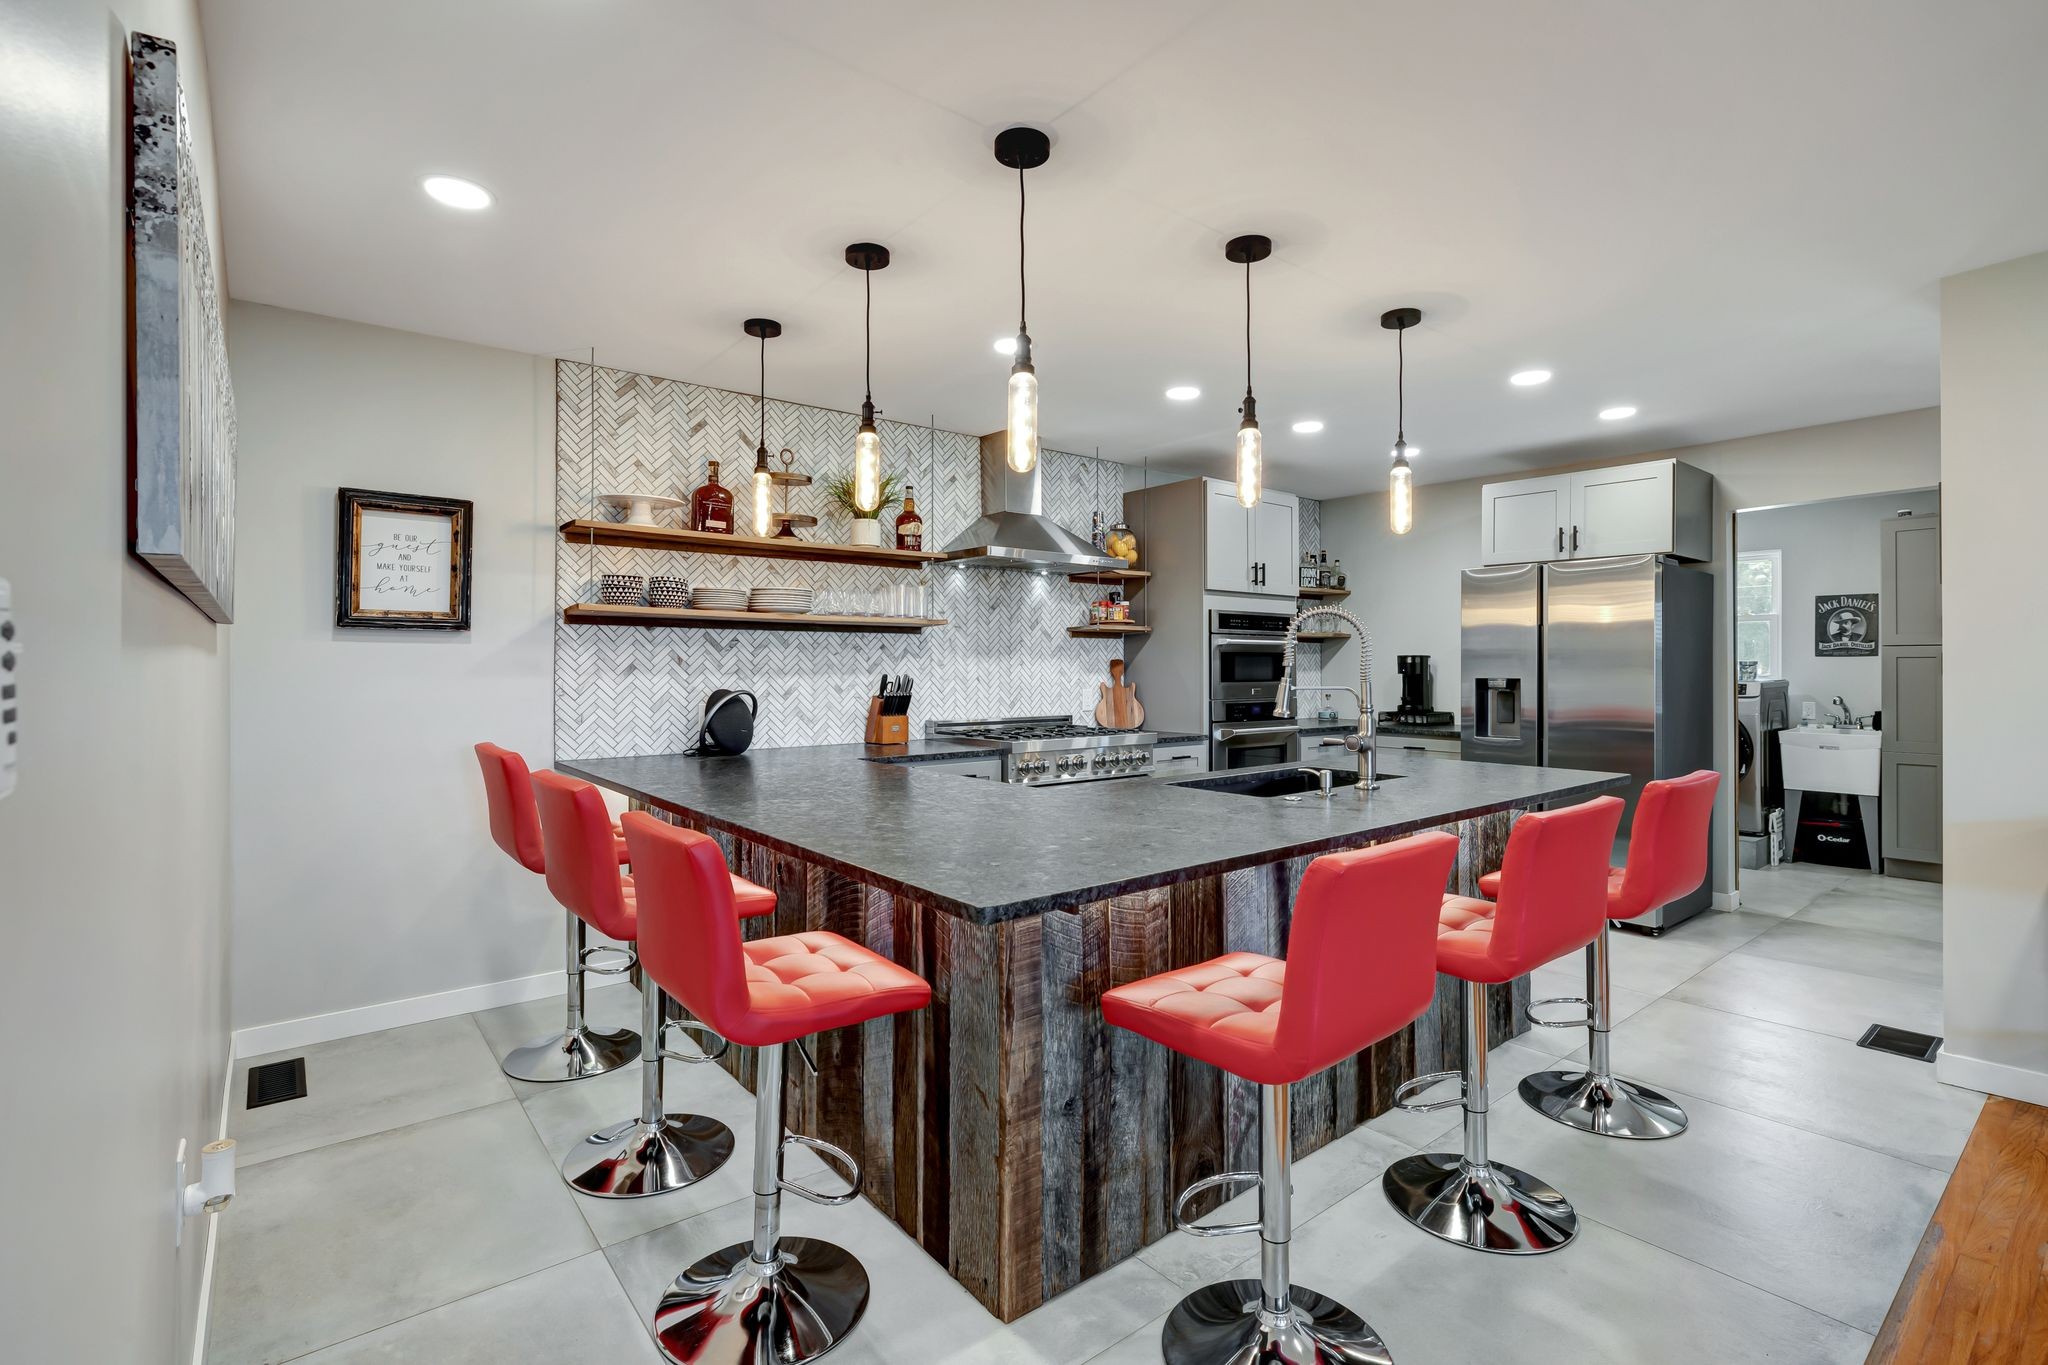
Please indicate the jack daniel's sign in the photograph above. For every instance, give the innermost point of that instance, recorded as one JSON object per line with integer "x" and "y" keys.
{"x": 1845, "y": 627}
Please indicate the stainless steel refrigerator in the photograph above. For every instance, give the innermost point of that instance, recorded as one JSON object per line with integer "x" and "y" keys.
{"x": 1595, "y": 663}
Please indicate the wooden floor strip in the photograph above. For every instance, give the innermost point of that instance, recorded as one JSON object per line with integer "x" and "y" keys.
{"x": 1977, "y": 1290}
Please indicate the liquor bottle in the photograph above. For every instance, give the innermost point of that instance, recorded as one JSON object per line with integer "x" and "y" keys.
{"x": 1323, "y": 569}
{"x": 909, "y": 522}
{"x": 711, "y": 505}
{"x": 1337, "y": 574}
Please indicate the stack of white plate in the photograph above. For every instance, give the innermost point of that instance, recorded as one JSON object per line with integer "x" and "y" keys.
{"x": 793, "y": 600}
{"x": 706, "y": 598}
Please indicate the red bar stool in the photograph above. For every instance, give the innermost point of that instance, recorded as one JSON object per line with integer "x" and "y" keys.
{"x": 576, "y": 1052}
{"x": 1553, "y": 900}
{"x": 1667, "y": 858}
{"x": 773, "y": 1300}
{"x": 657, "y": 1151}
{"x": 1361, "y": 965}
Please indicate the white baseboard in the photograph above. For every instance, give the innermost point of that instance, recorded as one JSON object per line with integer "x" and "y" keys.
{"x": 1727, "y": 900}
{"x": 418, "y": 1009}
{"x": 1993, "y": 1078}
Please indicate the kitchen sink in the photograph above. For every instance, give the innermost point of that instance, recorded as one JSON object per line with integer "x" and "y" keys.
{"x": 1824, "y": 759}
{"x": 1269, "y": 782}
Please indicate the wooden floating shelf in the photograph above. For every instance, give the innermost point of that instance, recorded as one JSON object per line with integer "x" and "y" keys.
{"x": 1323, "y": 592}
{"x": 597, "y": 614}
{"x": 1134, "y": 578}
{"x": 621, "y": 536}
{"x": 1108, "y": 630}
{"x": 1322, "y": 635}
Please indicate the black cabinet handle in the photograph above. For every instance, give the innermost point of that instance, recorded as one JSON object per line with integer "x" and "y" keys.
{"x": 1575, "y": 540}
{"x": 1560, "y": 540}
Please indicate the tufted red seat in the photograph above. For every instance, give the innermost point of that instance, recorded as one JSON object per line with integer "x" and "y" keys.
{"x": 1362, "y": 937}
{"x": 584, "y": 875}
{"x": 1555, "y": 875}
{"x": 759, "y": 993}
{"x": 515, "y": 823}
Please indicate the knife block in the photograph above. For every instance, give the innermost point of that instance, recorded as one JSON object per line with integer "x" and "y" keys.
{"x": 886, "y": 729}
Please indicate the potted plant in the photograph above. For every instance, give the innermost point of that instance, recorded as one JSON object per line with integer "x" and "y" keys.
{"x": 867, "y": 524}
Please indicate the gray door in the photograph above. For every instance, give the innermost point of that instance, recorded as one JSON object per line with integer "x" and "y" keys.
{"x": 1910, "y": 554}
{"x": 1910, "y": 811}
{"x": 1600, "y": 631}
{"x": 1500, "y": 658}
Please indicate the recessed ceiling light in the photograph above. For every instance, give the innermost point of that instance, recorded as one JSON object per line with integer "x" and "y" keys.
{"x": 1183, "y": 393}
{"x": 456, "y": 193}
{"x": 1527, "y": 379}
{"x": 1006, "y": 345}
{"x": 1308, "y": 426}
{"x": 1616, "y": 414}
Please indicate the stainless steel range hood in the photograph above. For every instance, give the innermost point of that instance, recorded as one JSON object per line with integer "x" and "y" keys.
{"x": 1014, "y": 532}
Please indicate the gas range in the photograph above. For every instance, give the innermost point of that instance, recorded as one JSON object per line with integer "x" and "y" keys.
{"x": 1049, "y": 750}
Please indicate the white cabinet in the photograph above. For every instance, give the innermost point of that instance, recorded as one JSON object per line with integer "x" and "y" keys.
{"x": 1178, "y": 760}
{"x": 1253, "y": 551}
{"x": 1523, "y": 522}
{"x": 1658, "y": 507}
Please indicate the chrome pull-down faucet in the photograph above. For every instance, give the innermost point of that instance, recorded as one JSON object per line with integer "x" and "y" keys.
{"x": 1361, "y": 743}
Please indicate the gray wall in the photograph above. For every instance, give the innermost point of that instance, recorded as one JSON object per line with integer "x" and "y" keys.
{"x": 113, "y": 848}
{"x": 1411, "y": 582}
{"x": 1994, "y": 430}
{"x": 1827, "y": 549}
{"x": 363, "y": 866}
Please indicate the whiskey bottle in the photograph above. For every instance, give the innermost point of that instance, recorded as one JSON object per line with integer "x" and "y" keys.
{"x": 711, "y": 505}
{"x": 909, "y": 522}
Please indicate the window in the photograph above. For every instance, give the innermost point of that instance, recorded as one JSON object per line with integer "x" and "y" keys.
{"x": 1759, "y": 612}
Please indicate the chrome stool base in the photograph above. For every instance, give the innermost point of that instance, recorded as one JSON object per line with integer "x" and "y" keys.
{"x": 729, "y": 1309}
{"x": 1492, "y": 1207}
{"x": 1606, "y": 1105}
{"x": 1222, "y": 1324}
{"x": 572, "y": 1056}
{"x": 634, "y": 1159}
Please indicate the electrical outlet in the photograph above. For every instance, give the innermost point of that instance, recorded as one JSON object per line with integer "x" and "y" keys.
{"x": 10, "y": 706}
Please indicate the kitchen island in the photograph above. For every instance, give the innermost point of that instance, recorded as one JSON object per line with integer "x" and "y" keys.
{"x": 1025, "y": 1144}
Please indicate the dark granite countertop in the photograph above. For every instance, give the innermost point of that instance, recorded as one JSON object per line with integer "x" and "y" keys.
{"x": 990, "y": 852}
{"x": 1386, "y": 727}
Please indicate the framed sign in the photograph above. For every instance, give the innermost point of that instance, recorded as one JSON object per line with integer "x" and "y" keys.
{"x": 401, "y": 561}
{"x": 1845, "y": 626}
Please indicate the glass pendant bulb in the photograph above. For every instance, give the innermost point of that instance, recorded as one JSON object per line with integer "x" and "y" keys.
{"x": 764, "y": 491}
{"x": 1401, "y": 493}
{"x": 1023, "y": 408}
{"x": 867, "y": 465}
{"x": 1251, "y": 455}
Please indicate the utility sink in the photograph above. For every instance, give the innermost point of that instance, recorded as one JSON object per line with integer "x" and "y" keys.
{"x": 1270, "y": 782}
{"x": 1824, "y": 759}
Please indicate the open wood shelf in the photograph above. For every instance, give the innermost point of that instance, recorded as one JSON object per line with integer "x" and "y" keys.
{"x": 1108, "y": 630}
{"x": 619, "y": 535}
{"x": 1130, "y": 578}
{"x": 597, "y": 614}
{"x": 1322, "y": 635}
{"x": 1323, "y": 592}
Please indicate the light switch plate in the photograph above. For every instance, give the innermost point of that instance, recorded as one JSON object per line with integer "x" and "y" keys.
{"x": 10, "y": 707}
{"x": 1808, "y": 710}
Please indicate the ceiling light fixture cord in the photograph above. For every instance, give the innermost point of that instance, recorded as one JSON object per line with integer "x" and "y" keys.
{"x": 1247, "y": 329}
{"x": 761, "y": 445}
{"x": 868, "y": 333}
{"x": 1021, "y": 312}
{"x": 1400, "y": 386}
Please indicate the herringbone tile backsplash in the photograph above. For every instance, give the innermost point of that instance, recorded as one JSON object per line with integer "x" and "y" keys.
{"x": 632, "y": 690}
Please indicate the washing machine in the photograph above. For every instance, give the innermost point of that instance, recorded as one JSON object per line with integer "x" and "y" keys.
{"x": 1762, "y": 708}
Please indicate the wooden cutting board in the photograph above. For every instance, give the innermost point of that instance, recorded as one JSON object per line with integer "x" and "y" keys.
{"x": 1119, "y": 709}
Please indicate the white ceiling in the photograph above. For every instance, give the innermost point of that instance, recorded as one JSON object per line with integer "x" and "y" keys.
{"x": 1733, "y": 216}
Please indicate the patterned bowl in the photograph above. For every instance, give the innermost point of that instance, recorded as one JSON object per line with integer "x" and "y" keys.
{"x": 667, "y": 592}
{"x": 621, "y": 589}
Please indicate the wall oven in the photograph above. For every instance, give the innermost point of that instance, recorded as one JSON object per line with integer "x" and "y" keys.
{"x": 1245, "y": 653}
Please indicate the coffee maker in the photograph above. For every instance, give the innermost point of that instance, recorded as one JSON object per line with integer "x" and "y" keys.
{"x": 1415, "y": 695}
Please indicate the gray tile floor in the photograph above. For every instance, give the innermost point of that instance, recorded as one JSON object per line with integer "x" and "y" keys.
{"x": 410, "y": 1209}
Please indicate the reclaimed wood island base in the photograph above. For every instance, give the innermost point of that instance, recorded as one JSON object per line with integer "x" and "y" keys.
{"x": 1024, "y": 1143}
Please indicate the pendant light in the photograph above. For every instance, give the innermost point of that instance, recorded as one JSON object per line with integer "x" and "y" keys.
{"x": 1400, "y": 479}
{"x": 867, "y": 258}
{"x": 1251, "y": 446}
{"x": 1022, "y": 149}
{"x": 764, "y": 478}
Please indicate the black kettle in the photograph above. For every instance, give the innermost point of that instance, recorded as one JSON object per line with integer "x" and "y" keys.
{"x": 728, "y": 726}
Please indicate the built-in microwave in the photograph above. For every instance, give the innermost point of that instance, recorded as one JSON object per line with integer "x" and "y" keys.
{"x": 1246, "y": 649}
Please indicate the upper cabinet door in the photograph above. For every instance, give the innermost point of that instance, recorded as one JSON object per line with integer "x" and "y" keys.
{"x": 1229, "y": 530}
{"x": 1276, "y": 544}
{"x": 1910, "y": 557}
{"x": 1621, "y": 511}
{"x": 1524, "y": 522}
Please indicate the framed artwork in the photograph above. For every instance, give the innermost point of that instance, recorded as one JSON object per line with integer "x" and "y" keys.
{"x": 1845, "y": 626}
{"x": 401, "y": 562}
{"x": 181, "y": 503}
